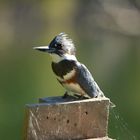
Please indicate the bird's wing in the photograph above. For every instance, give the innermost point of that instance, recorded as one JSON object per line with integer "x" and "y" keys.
{"x": 86, "y": 82}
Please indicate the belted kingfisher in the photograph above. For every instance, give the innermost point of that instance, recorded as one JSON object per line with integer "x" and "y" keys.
{"x": 72, "y": 75}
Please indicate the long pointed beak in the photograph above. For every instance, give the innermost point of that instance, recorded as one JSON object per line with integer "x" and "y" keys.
{"x": 44, "y": 49}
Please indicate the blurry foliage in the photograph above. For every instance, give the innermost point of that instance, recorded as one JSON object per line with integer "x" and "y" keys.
{"x": 106, "y": 34}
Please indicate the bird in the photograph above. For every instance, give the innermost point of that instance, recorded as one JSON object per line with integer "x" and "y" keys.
{"x": 70, "y": 73}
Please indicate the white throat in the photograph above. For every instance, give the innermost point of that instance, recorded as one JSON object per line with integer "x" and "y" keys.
{"x": 56, "y": 58}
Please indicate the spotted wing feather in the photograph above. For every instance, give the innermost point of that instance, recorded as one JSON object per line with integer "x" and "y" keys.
{"x": 87, "y": 83}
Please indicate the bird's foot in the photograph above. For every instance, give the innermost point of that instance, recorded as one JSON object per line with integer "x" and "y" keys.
{"x": 66, "y": 95}
{"x": 80, "y": 97}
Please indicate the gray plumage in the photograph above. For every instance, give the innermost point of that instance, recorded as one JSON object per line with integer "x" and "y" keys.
{"x": 87, "y": 83}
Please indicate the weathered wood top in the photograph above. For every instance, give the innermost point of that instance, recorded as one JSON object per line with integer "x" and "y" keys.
{"x": 70, "y": 99}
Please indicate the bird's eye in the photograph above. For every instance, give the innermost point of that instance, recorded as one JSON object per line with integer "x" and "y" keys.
{"x": 58, "y": 46}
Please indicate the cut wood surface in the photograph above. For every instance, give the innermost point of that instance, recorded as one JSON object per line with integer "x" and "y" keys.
{"x": 55, "y": 118}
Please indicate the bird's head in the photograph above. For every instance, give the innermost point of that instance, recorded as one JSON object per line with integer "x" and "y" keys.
{"x": 60, "y": 48}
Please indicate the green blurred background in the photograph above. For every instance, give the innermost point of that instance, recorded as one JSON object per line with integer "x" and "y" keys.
{"x": 107, "y": 36}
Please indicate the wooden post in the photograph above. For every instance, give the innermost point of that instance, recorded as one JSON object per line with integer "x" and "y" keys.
{"x": 55, "y": 118}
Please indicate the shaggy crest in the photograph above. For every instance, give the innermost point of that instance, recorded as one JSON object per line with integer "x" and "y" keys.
{"x": 66, "y": 42}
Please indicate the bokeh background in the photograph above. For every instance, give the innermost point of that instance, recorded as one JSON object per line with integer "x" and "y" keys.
{"x": 107, "y": 36}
